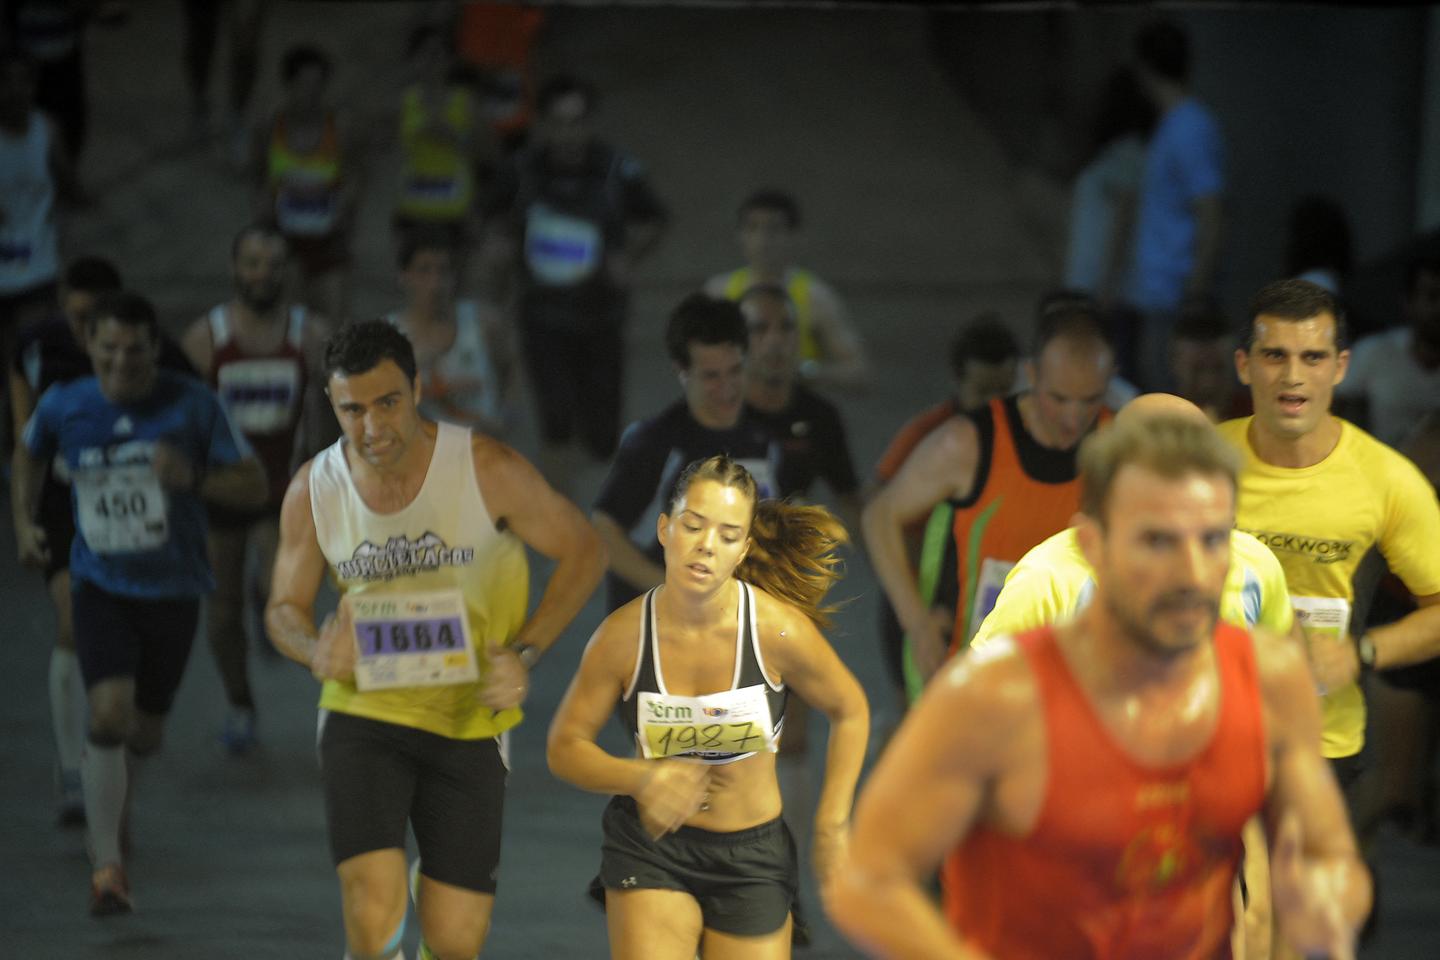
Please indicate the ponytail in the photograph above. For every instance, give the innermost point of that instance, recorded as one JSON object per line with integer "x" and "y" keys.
{"x": 793, "y": 555}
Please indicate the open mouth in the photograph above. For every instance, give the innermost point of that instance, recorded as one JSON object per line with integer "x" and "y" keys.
{"x": 1291, "y": 403}
{"x": 698, "y": 569}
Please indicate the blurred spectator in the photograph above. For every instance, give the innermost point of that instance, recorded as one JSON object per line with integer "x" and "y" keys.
{"x": 35, "y": 171}
{"x": 463, "y": 348}
{"x": 1102, "y": 210}
{"x": 52, "y": 34}
{"x": 244, "y": 21}
{"x": 1202, "y": 361}
{"x": 1393, "y": 380}
{"x": 1318, "y": 248}
{"x": 706, "y": 339}
{"x": 497, "y": 38}
{"x": 578, "y": 215}
{"x": 442, "y": 140}
{"x": 308, "y": 182}
{"x": 1178, "y": 226}
{"x": 1118, "y": 389}
{"x": 831, "y": 351}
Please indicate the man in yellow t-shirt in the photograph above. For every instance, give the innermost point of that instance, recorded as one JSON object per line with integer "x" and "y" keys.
{"x": 1320, "y": 493}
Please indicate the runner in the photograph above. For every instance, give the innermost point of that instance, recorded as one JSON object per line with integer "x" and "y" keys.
{"x": 147, "y": 450}
{"x": 262, "y": 354}
{"x": 1173, "y": 728}
{"x": 696, "y": 856}
{"x": 49, "y": 352}
{"x": 1005, "y": 477}
{"x": 426, "y": 663}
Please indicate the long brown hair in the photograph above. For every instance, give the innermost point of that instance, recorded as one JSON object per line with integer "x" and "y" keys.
{"x": 793, "y": 547}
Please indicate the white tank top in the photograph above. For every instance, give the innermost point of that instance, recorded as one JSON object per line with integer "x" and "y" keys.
{"x": 29, "y": 256}
{"x": 443, "y": 539}
{"x": 461, "y": 384}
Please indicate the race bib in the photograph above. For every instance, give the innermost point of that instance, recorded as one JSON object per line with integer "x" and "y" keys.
{"x": 1322, "y": 620}
{"x": 412, "y": 640}
{"x": 561, "y": 250}
{"x": 261, "y": 396}
{"x": 766, "y": 486}
{"x": 712, "y": 727}
{"x": 423, "y": 189}
{"x": 987, "y": 587}
{"x": 305, "y": 209}
{"x": 15, "y": 253}
{"x": 121, "y": 509}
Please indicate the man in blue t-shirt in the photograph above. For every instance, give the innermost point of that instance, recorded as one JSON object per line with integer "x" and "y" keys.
{"x": 146, "y": 449}
{"x": 1178, "y": 224}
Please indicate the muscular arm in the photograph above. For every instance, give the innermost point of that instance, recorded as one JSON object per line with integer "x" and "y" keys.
{"x": 843, "y": 360}
{"x": 1322, "y": 891}
{"x": 942, "y": 466}
{"x": 1209, "y": 224}
{"x": 295, "y": 581}
{"x": 1412, "y": 638}
{"x": 517, "y": 496}
{"x": 627, "y": 561}
{"x": 928, "y": 791}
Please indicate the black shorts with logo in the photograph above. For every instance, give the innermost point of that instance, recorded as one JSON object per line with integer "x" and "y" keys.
{"x": 377, "y": 776}
{"x": 744, "y": 881}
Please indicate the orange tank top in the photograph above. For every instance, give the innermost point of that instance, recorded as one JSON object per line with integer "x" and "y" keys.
{"x": 1126, "y": 861}
{"x": 1012, "y": 511}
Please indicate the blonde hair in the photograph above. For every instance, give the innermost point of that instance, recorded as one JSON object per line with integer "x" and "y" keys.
{"x": 793, "y": 547}
{"x": 1167, "y": 444}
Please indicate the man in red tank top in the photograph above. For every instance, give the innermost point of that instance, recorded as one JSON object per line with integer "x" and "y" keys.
{"x": 263, "y": 355}
{"x": 1088, "y": 782}
{"x": 1008, "y": 469}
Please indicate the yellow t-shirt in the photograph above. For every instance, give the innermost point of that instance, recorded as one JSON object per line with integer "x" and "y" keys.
{"x": 1054, "y": 581}
{"x": 1321, "y": 520}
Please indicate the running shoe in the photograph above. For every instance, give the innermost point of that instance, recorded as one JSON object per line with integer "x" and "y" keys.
{"x": 109, "y": 891}
{"x": 71, "y": 798}
{"x": 238, "y": 734}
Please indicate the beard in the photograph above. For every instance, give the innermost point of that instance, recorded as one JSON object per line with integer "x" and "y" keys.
{"x": 1138, "y": 626}
{"x": 260, "y": 297}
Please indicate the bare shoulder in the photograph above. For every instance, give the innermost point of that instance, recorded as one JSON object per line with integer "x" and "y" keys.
{"x": 615, "y": 644}
{"x": 715, "y": 286}
{"x": 956, "y": 440}
{"x": 1287, "y": 687}
{"x": 780, "y": 623}
{"x": 498, "y": 461}
{"x": 982, "y": 710}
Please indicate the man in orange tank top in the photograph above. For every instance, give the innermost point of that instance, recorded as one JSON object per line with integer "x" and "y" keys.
{"x": 1009, "y": 471}
{"x": 1088, "y": 782}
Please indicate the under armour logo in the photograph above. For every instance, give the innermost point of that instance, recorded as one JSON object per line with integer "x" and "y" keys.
{"x": 628, "y": 882}
{"x": 124, "y": 426}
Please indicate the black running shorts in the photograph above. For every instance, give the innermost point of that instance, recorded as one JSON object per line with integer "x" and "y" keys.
{"x": 744, "y": 881}
{"x": 147, "y": 639}
{"x": 377, "y": 776}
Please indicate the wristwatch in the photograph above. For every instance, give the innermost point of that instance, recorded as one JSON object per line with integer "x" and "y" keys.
{"x": 528, "y": 655}
{"x": 1365, "y": 653}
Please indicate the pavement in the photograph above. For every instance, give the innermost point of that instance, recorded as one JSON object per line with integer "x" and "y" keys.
{"x": 910, "y": 212}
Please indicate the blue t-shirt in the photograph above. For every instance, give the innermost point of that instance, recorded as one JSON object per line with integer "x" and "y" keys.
{"x": 133, "y": 538}
{"x": 1183, "y": 162}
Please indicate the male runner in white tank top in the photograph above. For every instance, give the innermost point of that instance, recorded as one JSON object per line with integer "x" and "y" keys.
{"x": 423, "y": 527}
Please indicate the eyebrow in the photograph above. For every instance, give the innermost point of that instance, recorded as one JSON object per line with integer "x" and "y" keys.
{"x": 700, "y": 516}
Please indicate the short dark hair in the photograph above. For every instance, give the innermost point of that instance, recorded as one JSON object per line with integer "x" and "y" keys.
{"x": 701, "y": 318}
{"x": 1162, "y": 46}
{"x": 257, "y": 228}
{"x": 126, "y": 307}
{"x": 1426, "y": 263}
{"x": 1319, "y": 236}
{"x": 362, "y": 346}
{"x": 93, "y": 275}
{"x": 301, "y": 56}
{"x": 1201, "y": 318}
{"x": 986, "y": 339}
{"x": 1071, "y": 314}
{"x": 561, "y": 86}
{"x": 1295, "y": 300}
{"x": 772, "y": 198}
{"x": 412, "y": 242}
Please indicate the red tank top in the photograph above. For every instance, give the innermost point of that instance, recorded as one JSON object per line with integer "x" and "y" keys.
{"x": 1012, "y": 512}
{"x": 1125, "y": 861}
{"x": 262, "y": 393}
